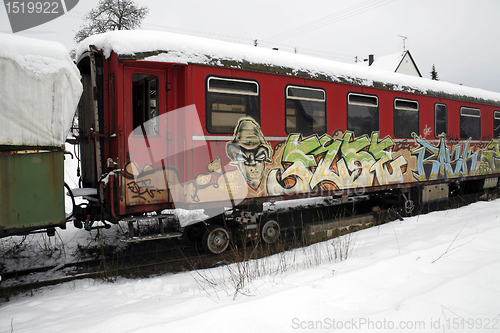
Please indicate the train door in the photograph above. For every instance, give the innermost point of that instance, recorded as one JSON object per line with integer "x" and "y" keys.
{"x": 144, "y": 186}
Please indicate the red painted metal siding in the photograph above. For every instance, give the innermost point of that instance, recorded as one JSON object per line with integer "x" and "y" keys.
{"x": 184, "y": 85}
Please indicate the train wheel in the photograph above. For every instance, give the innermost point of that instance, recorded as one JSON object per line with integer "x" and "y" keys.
{"x": 216, "y": 239}
{"x": 270, "y": 231}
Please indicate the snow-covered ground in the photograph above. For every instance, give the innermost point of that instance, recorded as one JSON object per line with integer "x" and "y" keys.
{"x": 438, "y": 272}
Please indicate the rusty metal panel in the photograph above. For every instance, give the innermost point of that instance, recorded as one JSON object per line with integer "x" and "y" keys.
{"x": 31, "y": 190}
{"x": 490, "y": 182}
{"x": 437, "y": 192}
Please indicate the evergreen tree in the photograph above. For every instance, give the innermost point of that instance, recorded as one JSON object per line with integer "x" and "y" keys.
{"x": 111, "y": 15}
{"x": 434, "y": 73}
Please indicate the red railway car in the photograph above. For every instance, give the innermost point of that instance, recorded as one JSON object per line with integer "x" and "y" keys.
{"x": 173, "y": 121}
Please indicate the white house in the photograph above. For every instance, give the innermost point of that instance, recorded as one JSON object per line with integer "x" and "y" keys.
{"x": 398, "y": 62}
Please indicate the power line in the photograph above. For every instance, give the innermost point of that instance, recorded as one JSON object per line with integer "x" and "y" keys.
{"x": 311, "y": 24}
{"x": 192, "y": 32}
{"x": 250, "y": 41}
{"x": 330, "y": 19}
{"x": 309, "y": 51}
{"x": 79, "y": 15}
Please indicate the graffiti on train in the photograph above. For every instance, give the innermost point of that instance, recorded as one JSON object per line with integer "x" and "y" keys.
{"x": 328, "y": 163}
{"x": 453, "y": 161}
{"x": 316, "y": 163}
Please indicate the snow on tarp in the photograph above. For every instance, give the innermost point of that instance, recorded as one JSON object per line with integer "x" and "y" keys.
{"x": 39, "y": 92}
{"x": 177, "y": 48}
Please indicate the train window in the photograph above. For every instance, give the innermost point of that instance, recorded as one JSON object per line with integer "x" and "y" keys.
{"x": 228, "y": 100}
{"x": 305, "y": 110}
{"x": 145, "y": 102}
{"x": 405, "y": 118}
{"x": 440, "y": 119}
{"x": 496, "y": 124}
{"x": 362, "y": 114}
{"x": 470, "y": 123}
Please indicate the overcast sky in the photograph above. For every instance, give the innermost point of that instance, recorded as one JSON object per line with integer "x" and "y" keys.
{"x": 460, "y": 37}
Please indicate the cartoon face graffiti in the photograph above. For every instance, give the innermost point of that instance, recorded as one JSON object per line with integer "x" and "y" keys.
{"x": 249, "y": 150}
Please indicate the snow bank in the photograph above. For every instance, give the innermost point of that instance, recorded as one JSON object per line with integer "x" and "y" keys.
{"x": 431, "y": 273}
{"x": 178, "y": 48}
{"x": 39, "y": 92}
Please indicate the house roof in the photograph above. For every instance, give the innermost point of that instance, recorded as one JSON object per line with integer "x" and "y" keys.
{"x": 400, "y": 62}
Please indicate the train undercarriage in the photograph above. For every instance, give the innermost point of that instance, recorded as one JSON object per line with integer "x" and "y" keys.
{"x": 310, "y": 219}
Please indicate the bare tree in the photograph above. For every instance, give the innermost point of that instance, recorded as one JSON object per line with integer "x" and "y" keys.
{"x": 112, "y": 15}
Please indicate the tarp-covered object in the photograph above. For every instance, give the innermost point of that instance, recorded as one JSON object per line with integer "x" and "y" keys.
{"x": 39, "y": 92}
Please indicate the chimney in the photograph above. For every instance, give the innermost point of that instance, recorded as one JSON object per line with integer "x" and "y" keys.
{"x": 371, "y": 58}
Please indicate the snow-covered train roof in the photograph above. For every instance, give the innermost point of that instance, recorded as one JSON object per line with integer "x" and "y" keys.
{"x": 177, "y": 48}
{"x": 39, "y": 91}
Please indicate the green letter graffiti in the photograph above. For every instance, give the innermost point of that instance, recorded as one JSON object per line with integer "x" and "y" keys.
{"x": 337, "y": 164}
{"x": 492, "y": 155}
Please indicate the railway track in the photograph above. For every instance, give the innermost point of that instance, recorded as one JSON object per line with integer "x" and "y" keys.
{"x": 139, "y": 260}
{"x": 135, "y": 261}
{"x": 109, "y": 268}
